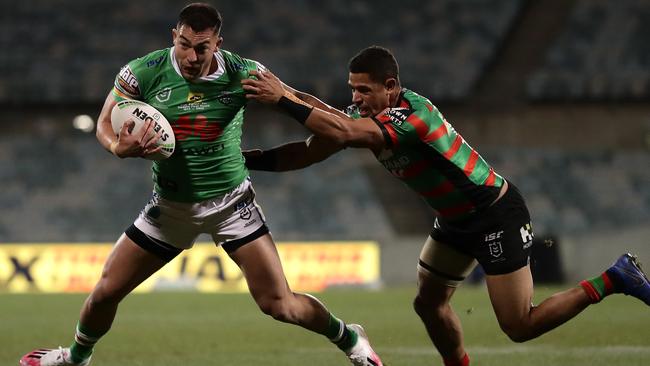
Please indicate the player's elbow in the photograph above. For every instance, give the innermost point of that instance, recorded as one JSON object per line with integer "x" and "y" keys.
{"x": 343, "y": 136}
{"x": 341, "y": 139}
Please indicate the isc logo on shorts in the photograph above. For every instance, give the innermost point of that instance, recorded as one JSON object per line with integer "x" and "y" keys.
{"x": 496, "y": 250}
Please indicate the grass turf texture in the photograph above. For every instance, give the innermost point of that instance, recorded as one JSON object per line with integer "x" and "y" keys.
{"x": 188, "y": 329}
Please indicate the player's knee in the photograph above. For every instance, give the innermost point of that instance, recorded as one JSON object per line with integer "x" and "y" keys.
{"x": 106, "y": 294}
{"x": 428, "y": 308}
{"x": 278, "y": 308}
{"x": 516, "y": 331}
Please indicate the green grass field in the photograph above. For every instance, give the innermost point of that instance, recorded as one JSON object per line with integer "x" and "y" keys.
{"x": 191, "y": 329}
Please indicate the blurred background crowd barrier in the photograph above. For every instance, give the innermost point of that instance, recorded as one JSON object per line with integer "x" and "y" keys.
{"x": 553, "y": 93}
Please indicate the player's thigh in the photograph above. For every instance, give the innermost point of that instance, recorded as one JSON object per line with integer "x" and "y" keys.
{"x": 511, "y": 295}
{"x": 242, "y": 232}
{"x": 443, "y": 264}
{"x": 441, "y": 269}
{"x": 127, "y": 266}
{"x": 262, "y": 268}
{"x": 237, "y": 220}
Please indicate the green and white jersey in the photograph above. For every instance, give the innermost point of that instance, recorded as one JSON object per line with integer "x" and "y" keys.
{"x": 206, "y": 116}
{"x": 425, "y": 152}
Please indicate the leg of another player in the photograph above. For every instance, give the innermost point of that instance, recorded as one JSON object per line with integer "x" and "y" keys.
{"x": 127, "y": 266}
{"x": 440, "y": 320}
{"x": 261, "y": 266}
{"x": 511, "y": 295}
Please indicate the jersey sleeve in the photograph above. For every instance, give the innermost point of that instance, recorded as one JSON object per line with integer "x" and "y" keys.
{"x": 126, "y": 84}
{"x": 242, "y": 66}
{"x": 256, "y": 65}
{"x": 405, "y": 126}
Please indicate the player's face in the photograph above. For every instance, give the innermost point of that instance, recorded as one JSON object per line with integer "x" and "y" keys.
{"x": 370, "y": 96}
{"x": 194, "y": 51}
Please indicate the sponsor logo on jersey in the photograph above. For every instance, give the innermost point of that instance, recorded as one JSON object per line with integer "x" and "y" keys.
{"x": 128, "y": 82}
{"x": 155, "y": 62}
{"x": 398, "y": 115}
{"x": 193, "y": 97}
{"x": 395, "y": 164}
{"x": 225, "y": 97}
{"x": 399, "y": 162}
{"x": 238, "y": 66}
{"x": 385, "y": 154}
{"x": 164, "y": 95}
{"x": 203, "y": 150}
{"x": 195, "y": 102}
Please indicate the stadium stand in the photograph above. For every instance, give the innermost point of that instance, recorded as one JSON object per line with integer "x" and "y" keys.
{"x": 483, "y": 56}
{"x": 450, "y": 44}
{"x": 67, "y": 188}
{"x": 565, "y": 189}
{"x": 603, "y": 54}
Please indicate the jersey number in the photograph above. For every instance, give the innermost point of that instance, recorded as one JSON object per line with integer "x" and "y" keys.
{"x": 206, "y": 130}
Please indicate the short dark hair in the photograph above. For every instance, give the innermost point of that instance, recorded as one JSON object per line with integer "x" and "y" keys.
{"x": 378, "y": 62}
{"x": 199, "y": 17}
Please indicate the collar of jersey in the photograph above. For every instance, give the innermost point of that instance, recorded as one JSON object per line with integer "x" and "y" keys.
{"x": 214, "y": 76}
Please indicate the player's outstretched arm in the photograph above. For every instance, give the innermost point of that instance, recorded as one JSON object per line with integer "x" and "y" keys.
{"x": 313, "y": 101}
{"x": 138, "y": 144}
{"x": 290, "y": 156}
{"x": 338, "y": 128}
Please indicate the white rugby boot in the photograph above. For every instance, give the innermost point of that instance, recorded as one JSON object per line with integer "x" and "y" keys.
{"x": 50, "y": 357}
{"x": 362, "y": 354}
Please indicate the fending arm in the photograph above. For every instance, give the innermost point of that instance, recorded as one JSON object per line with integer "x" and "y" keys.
{"x": 290, "y": 156}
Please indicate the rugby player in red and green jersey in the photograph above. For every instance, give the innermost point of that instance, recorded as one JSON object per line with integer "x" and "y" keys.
{"x": 480, "y": 216}
{"x": 202, "y": 188}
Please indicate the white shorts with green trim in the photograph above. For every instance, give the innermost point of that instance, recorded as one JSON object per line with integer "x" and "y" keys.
{"x": 232, "y": 220}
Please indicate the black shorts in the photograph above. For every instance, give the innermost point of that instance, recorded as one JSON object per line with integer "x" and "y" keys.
{"x": 500, "y": 237}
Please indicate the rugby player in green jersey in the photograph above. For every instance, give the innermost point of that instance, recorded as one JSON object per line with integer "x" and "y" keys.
{"x": 202, "y": 188}
{"x": 480, "y": 216}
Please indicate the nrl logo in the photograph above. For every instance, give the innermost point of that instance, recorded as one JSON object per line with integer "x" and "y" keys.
{"x": 164, "y": 95}
{"x": 245, "y": 214}
{"x": 495, "y": 249}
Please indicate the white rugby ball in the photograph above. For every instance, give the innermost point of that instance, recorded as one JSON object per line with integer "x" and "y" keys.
{"x": 140, "y": 112}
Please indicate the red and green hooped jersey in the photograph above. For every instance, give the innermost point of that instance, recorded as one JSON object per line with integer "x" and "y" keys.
{"x": 206, "y": 116}
{"x": 425, "y": 152}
